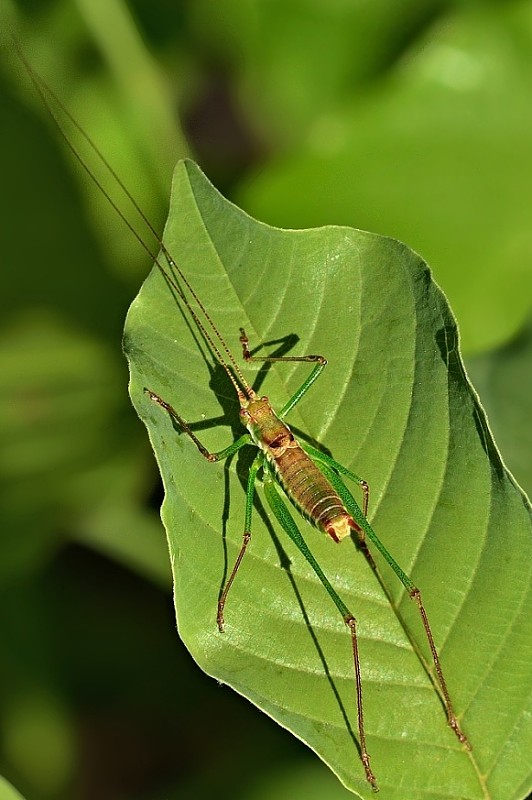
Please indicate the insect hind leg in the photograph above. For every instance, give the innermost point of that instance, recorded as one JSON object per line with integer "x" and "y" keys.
{"x": 414, "y": 593}
{"x": 286, "y": 521}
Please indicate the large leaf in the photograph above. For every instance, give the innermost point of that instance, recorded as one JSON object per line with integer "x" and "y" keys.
{"x": 394, "y": 406}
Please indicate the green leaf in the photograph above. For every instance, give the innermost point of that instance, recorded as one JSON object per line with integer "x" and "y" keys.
{"x": 299, "y": 782}
{"x": 8, "y": 792}
{"x": 395, "y": 407}
{"x": 504, "y": 380}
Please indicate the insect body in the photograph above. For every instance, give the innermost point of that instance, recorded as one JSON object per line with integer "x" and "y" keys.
{"x": 302, "y": 480}
{"x": 312, "y": 481}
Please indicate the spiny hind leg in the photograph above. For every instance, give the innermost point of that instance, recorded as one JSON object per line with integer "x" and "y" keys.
{"x": 286, "y": 521}
{"x": 333, "y": 469}
{"x": 409, "y": 585}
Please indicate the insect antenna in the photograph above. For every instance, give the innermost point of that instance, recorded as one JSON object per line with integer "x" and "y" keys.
{"x": 232, "y": 368}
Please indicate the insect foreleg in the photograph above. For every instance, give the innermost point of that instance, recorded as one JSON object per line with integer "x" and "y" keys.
{"x": 185, "y": 427}
{"x": 305, "y": 386}
{"x": 250, "y": 492}
{"x": 285, "y": 519}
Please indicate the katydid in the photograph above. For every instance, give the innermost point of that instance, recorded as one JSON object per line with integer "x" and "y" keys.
{"x": 289, "y": 469}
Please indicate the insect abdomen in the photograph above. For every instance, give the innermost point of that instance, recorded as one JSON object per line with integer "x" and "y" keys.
{"x": 312, "y": 494}
{"x": 305, "y": 484}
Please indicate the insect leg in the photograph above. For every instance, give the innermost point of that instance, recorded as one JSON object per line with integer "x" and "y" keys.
{"x": 317, "y": 455}
{"x": 409, "y": 585}
{"x": 285, "y": 519}
{"x": 324, "y": 460}
{"x": 250, "y": 492}
{"x": 305, "y": 386}
{"x": 185, "y": 427}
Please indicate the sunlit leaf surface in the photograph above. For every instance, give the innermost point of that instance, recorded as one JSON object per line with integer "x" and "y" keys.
{"x": 394, "y": 406}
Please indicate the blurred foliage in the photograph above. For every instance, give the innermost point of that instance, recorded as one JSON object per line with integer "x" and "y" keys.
{"x": 503, "y": 378}
{"x": 410, "y": 118}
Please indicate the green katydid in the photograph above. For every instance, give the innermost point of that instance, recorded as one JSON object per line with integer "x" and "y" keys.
{"x": 290, "y": 469}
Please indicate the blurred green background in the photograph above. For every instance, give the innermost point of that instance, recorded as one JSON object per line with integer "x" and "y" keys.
{"x": 411, "y": 118}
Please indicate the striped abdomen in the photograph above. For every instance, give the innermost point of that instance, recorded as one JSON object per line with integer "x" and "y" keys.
{"x": 304, "y": 483}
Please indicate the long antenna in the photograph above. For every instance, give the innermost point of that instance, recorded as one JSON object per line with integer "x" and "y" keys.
{"x": 48, "y": 97}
